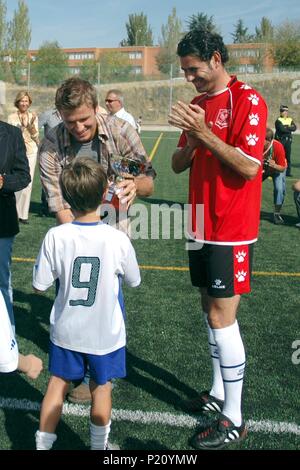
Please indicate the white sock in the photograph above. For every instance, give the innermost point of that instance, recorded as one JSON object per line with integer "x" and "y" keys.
{"x": 99, "y": 436}
{"x": 44, "y": 440}
{"x": 217, "y": 389}
{"x": 232, "y": 362}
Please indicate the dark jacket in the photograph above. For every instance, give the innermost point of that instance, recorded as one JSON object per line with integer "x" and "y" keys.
{"x": 16, "y": 176}
{"x": 284, "y": 128}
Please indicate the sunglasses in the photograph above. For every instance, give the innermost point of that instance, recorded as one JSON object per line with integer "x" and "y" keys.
{"x": 110, "y": 101}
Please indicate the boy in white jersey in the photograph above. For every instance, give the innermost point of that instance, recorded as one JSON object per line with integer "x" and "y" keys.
{"x": 89, "y": 259}
{"x": 10, "y": 359}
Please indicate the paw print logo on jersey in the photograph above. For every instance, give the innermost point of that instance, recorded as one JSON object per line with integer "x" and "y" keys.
{"x": 254, "y": 99}
{"x": 240, "y": 256}
{"x": 252, "y": 139}
{"x": 254, "y": 119}
{"x": 241, "y": 276}
{"x": 246, "y": 87}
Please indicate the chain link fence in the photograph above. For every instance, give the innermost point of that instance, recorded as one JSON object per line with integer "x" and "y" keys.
{"x": 152, "y": 97}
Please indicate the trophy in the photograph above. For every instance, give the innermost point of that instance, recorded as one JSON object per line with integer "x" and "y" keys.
{"x": 121, "y": 168}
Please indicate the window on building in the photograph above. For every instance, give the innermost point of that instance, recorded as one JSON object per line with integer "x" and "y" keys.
{"x": 135, "y": 55}
{"x": 74, "y": 70}
{"x": 81, "y": 55}
{"x": 137, "y": 70}
{"x": 245, "y": 53}
{"x": 246, "y": 68}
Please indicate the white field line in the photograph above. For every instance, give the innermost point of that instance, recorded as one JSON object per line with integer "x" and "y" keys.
{"x": 166, "y": 419}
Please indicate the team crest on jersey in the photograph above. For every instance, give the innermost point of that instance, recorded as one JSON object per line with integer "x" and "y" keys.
{"x": 223, "y": 118}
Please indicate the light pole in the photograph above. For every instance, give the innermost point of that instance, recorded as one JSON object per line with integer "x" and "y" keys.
{"x": 98, "y": 80}
{"x": 171, "y": 88}
{"x": 28, "y": 74}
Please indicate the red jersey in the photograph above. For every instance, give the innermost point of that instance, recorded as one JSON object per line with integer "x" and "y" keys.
{"x": 276, "y": 152}
{"x": 231, "y": 203}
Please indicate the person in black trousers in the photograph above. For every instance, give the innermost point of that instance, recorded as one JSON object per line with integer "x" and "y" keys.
{"x": 14, "y": 176}
{"x": 284, "y": 126}
{"x": 296, "y": 189}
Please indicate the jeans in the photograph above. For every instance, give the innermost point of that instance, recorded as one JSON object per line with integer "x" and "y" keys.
{"x": 279, "y": 188}
{"x": 5, "y": 275}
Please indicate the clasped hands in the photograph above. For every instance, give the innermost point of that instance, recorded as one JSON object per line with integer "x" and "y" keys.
{"x": 190, "y": 118}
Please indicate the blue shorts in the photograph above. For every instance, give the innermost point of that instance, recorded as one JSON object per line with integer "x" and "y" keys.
{"x": 72, "y": 365}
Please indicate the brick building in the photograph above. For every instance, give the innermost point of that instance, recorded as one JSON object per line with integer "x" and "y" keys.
{"x": 141, "y": 58}
{"x": 246, "y": 57}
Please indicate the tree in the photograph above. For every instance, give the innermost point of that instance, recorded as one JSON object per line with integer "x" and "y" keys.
{"x": 171, "y": 34}
{"x": 3, "y": 28}
{"x": 202, "y": 21}
{"x": 265, "y": 31}
{"x": 286, "y": 44}
{"x": 241, "y": 34}
{"x": 3, "y": 39}
{"x": 138, "y": 31}
{"x": 50, "y": 66}
{"x": 89, "y": 70}
{"x": 114, "y": 67}
{"x": 19, "y": 37}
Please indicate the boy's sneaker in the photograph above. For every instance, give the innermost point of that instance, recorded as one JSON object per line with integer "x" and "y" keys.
{"x": 277, "y": 219}
{"x": 204, "y": 402}
{"x": 220, "y": 434}
{"x": 297, "y": 225}
{"x": 111, "y": 446}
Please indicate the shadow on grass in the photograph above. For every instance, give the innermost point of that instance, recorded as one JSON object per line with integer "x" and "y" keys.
{"x": 29, "y": 324}
{"x": 160, "y": 383}
{"x": 21, "y": 425}
{"x": 289, "y": 220}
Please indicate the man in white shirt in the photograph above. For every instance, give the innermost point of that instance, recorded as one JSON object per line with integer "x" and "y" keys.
{"x": 114, "y": 102}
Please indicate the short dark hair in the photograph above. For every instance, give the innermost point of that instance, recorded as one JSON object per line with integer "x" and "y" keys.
{"x": 75, "y": 92}
{"x": 283, "y": 108}
{"x": 83, "y": 183}
{"x": 202, "y": 43}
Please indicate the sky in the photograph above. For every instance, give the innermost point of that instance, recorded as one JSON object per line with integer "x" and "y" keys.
{"x": 102, "y": 23}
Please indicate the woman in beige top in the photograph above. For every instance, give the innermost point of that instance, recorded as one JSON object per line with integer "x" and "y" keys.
{"x": 28, "y": 123}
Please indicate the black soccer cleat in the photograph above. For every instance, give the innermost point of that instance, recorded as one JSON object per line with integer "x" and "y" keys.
{"x": 221, "y": 433}
{"x": 204, "y": 402}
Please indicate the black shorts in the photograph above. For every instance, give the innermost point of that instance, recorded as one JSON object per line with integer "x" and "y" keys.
{"x": 225, "y": 270}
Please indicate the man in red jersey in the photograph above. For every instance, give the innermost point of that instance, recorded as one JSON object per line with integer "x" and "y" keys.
{"x": 222, "y": 145}
{"x": 275, "y": 165}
